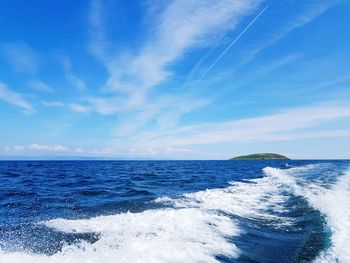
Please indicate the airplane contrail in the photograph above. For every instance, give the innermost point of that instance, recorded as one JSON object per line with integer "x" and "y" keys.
{"x": 232, "y": 43}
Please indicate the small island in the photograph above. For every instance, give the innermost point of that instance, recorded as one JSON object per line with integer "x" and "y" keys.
{"x": 261, "y": 156}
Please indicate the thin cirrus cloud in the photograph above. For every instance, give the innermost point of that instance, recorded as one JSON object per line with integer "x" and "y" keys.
{"x": 290, "y": 124}
{"x": 21, "y": 57}
{"x": 14, "y": 98}
{"x": 39, "y": 85}
{"x": 74, "y": 80}
{"x": 166, "y": 111}
{"x": 146, "y": 85}
{"x": 53, "y": 103}
{"x": 313, "y": 10}
{"x": 78, "y": 108}
{"x": 181, "y": 26}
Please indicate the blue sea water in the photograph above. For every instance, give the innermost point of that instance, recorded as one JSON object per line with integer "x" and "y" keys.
{"x": 175, "y": 211}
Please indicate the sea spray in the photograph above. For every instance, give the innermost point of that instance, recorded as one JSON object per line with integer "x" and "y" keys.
{"x": 332, "y": 202}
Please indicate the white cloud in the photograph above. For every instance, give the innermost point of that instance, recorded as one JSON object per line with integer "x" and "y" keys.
{"x": 313, "y": 10}
{"x": 14, "y": 98}
{"x": 161, "y": 152}
{"x": 102, "y": 152}
{"x": 164, "y": 111}
{"x": 79, "y": 150}
{"x": 36, "y": 147}
{"x": 47, "y": 148}
{"x": 15, "y": 148}
{"x": 40, "y": 85}
{"x": 53, "y": 103}
{"x": 256, "y": 72}
{"x": 20, "y": 57}
{"x": 78, "y": 107}
{"x": 172, "y": 150}
{"x": 292, "y": 124}
{"x": 175, "y": 29}
{"x": 106, "y": 105}
{"x": 181, "y": 26}
{"x": 76, "y": 82}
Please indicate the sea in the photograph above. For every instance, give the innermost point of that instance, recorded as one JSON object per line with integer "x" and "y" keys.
{"x": 268, "y": 211}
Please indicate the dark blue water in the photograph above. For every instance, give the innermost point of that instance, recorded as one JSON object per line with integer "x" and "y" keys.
{"x": 174, "y": 211}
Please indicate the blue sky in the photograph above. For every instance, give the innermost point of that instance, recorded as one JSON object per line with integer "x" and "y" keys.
{"x": 181, "y": 79}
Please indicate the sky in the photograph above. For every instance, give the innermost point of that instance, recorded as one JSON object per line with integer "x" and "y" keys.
{"x": 199, "y": 79}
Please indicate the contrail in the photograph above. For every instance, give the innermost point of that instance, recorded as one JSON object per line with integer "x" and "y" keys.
{"x": 232, "y": 43}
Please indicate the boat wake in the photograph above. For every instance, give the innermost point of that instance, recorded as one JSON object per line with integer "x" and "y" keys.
{"x": 205, "y": 226}
{"x": 332, "y": 201}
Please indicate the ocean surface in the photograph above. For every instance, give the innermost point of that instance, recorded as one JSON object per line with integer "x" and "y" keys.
{"x": 174, "y": 211}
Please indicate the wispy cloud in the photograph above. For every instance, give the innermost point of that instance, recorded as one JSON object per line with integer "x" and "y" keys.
{"x": 47, "y": 148}
{"x": 160, "y": 152}
{"x": 59, "y": 149}
{"x": 290, "y": 124}
{"x": 40, "y": 85}
{"x": 14, "y": 98}
{"x": 234, "y": 41}
{"x": 36, "y": 148}
{"x": 177, "y": 29}
{"x": 164, "y": 111}
{"x": 256, "y": 72}
{"x": 78, "y": 107}
{"x": 53, "y": 103}
{"x": 74, "y": 80}
{"x": 312, "y": 10}
{"x": 21, "y": 57}
{"x": 181, "y": 26}
{"x": 15, "y": 148}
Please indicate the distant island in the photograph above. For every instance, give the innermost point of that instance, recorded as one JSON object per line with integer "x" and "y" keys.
{"x": 261, "y": 156}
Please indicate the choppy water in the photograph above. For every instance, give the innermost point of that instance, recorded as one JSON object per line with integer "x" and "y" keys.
{"x": 174, "y": 211}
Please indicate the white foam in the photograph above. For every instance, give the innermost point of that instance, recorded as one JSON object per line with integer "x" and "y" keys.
{"x": 166, "y": 235}
{"x": 333, "y": 202}
{"x": 254, "y": 199}
{"x": 195, "y": 230}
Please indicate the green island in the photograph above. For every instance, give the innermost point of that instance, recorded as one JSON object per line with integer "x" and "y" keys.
{"x": 261, "y": 156}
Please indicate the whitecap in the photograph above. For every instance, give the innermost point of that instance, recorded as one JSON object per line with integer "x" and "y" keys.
{"x": 163, "y": 235}
{"x": 333, "y": 202}
{"x": 261, "y": 199}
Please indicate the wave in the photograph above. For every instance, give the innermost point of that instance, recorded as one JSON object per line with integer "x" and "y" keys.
{"x": 201, "y": 226}
{"x": 163, "y": 235}
{"x": 198, "y": 227}
{"x": 253, "y": 199}
{"x": 332, "y": 201}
